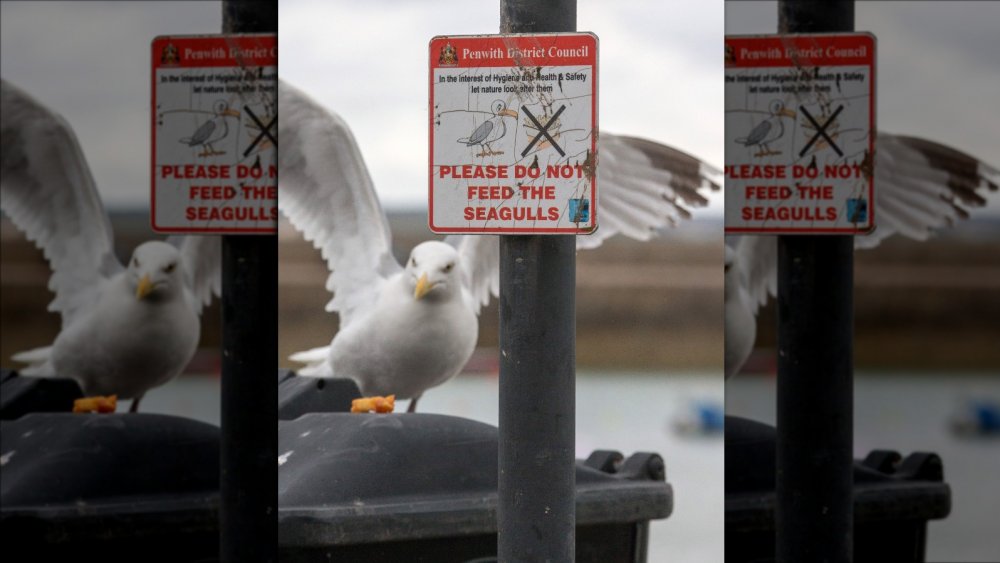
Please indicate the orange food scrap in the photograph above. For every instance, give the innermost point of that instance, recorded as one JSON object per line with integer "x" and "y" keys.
{"x": 98, "y": 404}
{"x": 374, "y": 404}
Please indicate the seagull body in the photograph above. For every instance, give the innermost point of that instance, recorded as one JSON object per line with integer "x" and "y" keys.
{"x": 124, "y": 329}
{"x": 122, "y": 362}
{"x": 490, "y": 130}
{"x": 444, "y": 317}
{"x": 769, "y": 130}
{"x": 213, "y": 130}
{"x": 920, "y": 187}
{"x": 406, "y": 329}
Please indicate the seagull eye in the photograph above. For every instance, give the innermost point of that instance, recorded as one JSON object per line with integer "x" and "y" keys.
{"x": 448, "y": 267}
{"x": 413, "y": 262}
{"x": 135, "y": 261}
{"x": 169, "y": 268}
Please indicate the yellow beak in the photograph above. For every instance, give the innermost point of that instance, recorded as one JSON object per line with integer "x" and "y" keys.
{"x": 423, "y": 287}
{"x": 508, "y": 113}
{"x": 144, "y": 288}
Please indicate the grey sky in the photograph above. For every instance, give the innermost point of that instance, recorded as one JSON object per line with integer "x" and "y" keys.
{"x": 660, "y": 73}
{"x": 938, "y": 69}
{"x": 90, "y": 62}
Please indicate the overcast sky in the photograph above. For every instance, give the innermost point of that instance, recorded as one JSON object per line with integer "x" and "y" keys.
{"x": 660, "y": 73}
{"x": 90, "y": 62}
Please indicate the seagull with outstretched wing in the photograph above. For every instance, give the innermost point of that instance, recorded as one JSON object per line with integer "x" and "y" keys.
{"x": 125, "y": 329}
{"x": 920, "y": 187}
{"x": 407, "y": 328}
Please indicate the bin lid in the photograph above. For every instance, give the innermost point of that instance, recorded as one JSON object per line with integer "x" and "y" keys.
{"x": 360, "y": 478}
{"x": 111, "y": 472}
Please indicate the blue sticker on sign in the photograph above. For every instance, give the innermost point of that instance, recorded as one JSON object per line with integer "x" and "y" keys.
{"x": 857, "y": 210}
{"x": 579, "y": 210}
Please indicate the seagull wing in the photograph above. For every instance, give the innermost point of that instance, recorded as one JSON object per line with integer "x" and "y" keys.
{"x": 49, "y": 193}
{"x": 758, "y": 133}
{"x": 202, "y": 260}
{"x": 325, "y": 191}
{"x": 644, "y": 186}
{"x": 480, "y": 134}
{"x": 757, "y": 264}
{"x": 202, "y": 134}
{"x": 480, "y": 263}
{"x": 922, "y": 186}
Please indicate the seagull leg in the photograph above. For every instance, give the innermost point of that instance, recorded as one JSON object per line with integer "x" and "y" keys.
{"x": 135, "y": 403}
{"x": 413, "y": 404}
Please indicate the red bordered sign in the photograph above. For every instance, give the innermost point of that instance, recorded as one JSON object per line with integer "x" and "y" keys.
{"x": 800, "y": 134}
{"x": 513, "y": 134}
{"x": 214, "y": 129}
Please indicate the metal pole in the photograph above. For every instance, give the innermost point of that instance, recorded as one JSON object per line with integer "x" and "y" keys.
{"x": 249, "y": 448}
{"x": 536, "y": 511}
{"x": 815, "y": 403}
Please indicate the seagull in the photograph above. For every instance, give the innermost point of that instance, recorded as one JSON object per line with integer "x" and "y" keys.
{"x": 769, "y": 130}
{"x": 407, "y": 328}
{"x": 125, "y": 329}
{"x": 490, "y": 130}
{"x": 213, "y": 130}
{"x": 921, "y": 186}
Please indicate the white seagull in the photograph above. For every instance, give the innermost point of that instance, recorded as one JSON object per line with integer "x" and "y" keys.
{"x": 491, "y": 130}
{"x": 920, "y": 187}
{"x": 125, "y": 329}
{"x": 407, "y": 328}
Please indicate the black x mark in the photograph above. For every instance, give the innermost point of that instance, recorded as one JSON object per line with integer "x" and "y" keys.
{"x": 542, "y": 131}
{"x": 821, "y": 131}
{"x": 264, "y": 131}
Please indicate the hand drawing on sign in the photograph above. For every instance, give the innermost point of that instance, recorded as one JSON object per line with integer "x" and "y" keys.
{"x": 769, "y": 130}
{"x": 490, "y": 130}
{"x": 213, "y": 130}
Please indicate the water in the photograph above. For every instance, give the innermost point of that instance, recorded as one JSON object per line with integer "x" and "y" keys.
{"x": 907, "y": 414}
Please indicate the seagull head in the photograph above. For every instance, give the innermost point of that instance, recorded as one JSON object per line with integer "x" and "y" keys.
{"x": 155, "y": 270}
{"x": 433, "y": 270}
{"x": 500, "y": 109}
{"x": 221, "y": 108}
{"x": 778, "y": 109}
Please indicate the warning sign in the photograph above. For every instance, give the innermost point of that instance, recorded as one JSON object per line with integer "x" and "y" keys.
{"x": 215, "y": 127}
{"x": 800, "y": 133}
{"x": 513, "y": 132}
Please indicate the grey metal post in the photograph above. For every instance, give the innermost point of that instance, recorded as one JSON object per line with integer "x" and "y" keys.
{"x": 536, "y": 512}
{"x": 815, "y": 403}
{"x": 249, "y": 448}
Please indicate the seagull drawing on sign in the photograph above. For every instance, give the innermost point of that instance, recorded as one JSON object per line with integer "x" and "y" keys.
{"x": 405, "y": 328}
{"x": 125, "y": 329}
{"x": 769, "y": 130}
{"x": 213, "y": 130}
{"x": 493, "y": 129}
{"x": 921, "y": 187}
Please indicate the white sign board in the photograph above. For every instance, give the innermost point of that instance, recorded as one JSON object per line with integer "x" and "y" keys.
{"x": 513, "y": 134}
{"x": 214, "y": 125}
{"x": 800, "y": 134}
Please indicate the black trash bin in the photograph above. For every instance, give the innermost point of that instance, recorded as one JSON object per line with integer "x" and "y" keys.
{"x": 894, "y": 497}
{"x": 109, "y": 487}
{"x": 423, "y": 487}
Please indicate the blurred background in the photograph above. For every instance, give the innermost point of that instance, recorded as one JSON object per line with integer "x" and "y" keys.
{"x": 926, "y": 329}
